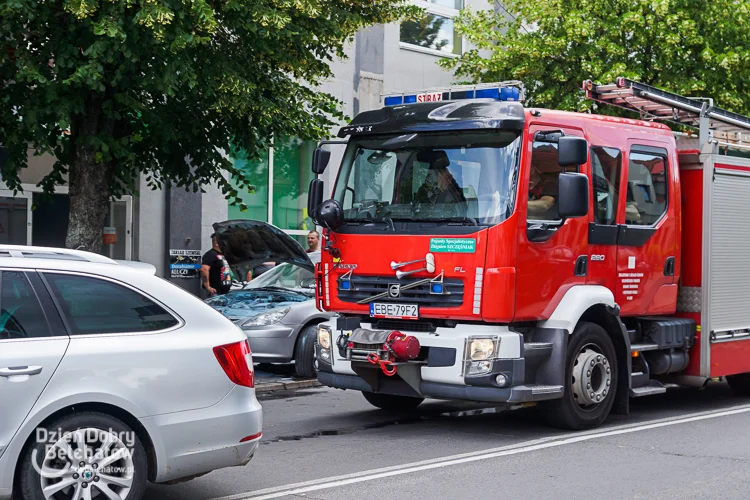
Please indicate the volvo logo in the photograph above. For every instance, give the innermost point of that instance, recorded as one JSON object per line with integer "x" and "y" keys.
{"x": 394, "y": 290}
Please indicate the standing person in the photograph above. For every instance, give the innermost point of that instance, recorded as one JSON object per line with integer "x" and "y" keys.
{"x": 216, "y": 275}
{"x": 313, "y": 241}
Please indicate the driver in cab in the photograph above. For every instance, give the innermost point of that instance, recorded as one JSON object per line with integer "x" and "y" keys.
{"x": 439, "y": 185}
{"x": 542, "y": 194}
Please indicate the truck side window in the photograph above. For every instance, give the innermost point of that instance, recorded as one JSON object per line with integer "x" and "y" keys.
{"x": 647, "y": 188}
{"x": 543, "y": 182}
{"x": 606, "y": 164}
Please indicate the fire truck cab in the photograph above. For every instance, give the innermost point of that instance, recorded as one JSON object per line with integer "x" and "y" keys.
{"x": 476, "y": 249}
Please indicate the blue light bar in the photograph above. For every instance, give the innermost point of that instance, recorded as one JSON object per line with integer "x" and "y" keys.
{"x": 502, "y": 91}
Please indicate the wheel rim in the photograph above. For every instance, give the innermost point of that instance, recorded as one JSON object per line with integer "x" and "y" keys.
{"x": 592, "y": 377}
{"x": 87, "y": 464}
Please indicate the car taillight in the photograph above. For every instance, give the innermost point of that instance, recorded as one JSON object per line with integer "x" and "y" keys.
{"x": 236, "y": 360}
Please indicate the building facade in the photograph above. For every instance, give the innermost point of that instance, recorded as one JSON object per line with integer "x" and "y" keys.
{"x": 381, "y": 59}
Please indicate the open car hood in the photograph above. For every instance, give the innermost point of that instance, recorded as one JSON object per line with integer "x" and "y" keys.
{"x": 248, "y": 243}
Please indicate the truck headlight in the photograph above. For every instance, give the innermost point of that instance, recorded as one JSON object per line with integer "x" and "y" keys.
{"x": 324, "y": 337}
{"x": 479, "y": 349}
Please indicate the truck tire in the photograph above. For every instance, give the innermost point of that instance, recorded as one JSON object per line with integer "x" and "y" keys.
{"x": 103, "y": 438}
{"x": 740, "y": 384}
{"x": 304, "y": 352}
{"x": 391, "y": 403}
{"x": 591, "y": 381}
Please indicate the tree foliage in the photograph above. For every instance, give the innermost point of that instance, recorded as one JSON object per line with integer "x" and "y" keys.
{"x": 690, "y": 47}
{"x": 114, "y": 88}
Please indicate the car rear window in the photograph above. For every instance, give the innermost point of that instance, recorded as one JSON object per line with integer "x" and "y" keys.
{"x": 97, "y": 306}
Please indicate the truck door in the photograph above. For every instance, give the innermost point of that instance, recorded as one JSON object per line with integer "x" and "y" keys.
{"x": 647, "y": 238}
{"x": 551, "y": 252}
{"x": 606, "y": 176}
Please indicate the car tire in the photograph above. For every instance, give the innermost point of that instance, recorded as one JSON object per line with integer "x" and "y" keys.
{"x": 391, "y": 403}
{"x": 304, "y": 352}
{"x": 740, "y": 384}
{"x": 131, "y": 470}
{"x": 589, "y": 346}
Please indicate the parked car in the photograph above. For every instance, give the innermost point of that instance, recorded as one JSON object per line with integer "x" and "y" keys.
{"x": 111, "y": 377}
{"x": 276, "y": 310}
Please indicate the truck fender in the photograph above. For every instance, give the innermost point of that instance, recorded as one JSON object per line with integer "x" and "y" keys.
{"x": 597, "y": 303}
{"x": 574, "y": 303}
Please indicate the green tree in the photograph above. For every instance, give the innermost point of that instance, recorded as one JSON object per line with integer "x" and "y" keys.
{"x": 690, "y": 47}
{"x": 114, "y": 88}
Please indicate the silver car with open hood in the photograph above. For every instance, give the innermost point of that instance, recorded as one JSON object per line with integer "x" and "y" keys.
{"x": 276, "y": 310}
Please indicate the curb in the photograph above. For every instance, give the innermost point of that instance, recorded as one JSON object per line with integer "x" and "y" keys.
{"x": 286, "y": 386}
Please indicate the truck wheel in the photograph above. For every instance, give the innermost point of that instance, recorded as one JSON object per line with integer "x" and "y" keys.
{"x": 392, "y": 403}
{"x": 90, "y": 455}
{"x": 591, "y": 375}
{"x": 304, "y": 352}
{"x": 740, "y": 383}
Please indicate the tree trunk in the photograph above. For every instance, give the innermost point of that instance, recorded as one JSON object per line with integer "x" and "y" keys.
{"x": 89, "y": 197}
{"x": 88, "y": 180}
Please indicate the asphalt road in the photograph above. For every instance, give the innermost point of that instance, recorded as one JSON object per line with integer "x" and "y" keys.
{"x": 328, "y": 444}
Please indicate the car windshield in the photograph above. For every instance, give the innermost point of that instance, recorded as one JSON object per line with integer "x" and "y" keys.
{"x": 286, "y": 275}
{"x": 462, "y": 177}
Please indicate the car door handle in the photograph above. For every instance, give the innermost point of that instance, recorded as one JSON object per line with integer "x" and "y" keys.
{"x": 20, "y": 370}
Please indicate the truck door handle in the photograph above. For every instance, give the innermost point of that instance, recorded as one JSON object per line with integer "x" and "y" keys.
{"x": 669, "y": 267}
{"x": 581, "y": 265}
{"x": 20, "y": 370}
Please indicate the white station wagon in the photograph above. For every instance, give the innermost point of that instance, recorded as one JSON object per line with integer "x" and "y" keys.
{"x": 111, "y": 377}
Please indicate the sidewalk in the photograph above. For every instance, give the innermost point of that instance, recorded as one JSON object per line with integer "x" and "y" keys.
{"x": 275, "y": 384}
{"x": 280, "y": 378}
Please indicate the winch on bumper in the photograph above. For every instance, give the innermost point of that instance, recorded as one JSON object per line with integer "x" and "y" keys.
{"x": 471, "y": 362}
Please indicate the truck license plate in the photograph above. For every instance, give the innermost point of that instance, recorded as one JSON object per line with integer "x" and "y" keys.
{"x": 394, "y": 311}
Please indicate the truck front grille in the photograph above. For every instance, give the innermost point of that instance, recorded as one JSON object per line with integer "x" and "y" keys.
{"x": 364, "y": 287}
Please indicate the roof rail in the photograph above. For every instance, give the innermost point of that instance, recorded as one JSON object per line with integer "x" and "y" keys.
{"x": 32, "y": 252}
{"x": 652, "y": 103}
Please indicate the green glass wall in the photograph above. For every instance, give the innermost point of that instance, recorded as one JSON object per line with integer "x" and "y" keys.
{"x": 257, "y": 202}
{"x": 290, "y": 170}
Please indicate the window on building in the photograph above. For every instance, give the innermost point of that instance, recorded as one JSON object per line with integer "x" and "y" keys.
{"x": 543, "y": 182}
{"x": 606, "y": 164}
{"x": 257, "y": 172}
{"x": 292, "y": 173}
{"x": 647, "y": 188}
{"x": 21, "y": 315}
{"x": 97, "y": 306}
{"x": 435, "y": 31}
{"x": 281, "y": 180}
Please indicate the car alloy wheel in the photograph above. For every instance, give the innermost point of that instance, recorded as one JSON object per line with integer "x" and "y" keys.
{"x": 87, "y": 464}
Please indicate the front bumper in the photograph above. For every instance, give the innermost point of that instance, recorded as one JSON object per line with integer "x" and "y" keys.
{"x": 531, "y": 371}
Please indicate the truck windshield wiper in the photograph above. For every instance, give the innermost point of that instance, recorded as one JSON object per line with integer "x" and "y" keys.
{"x": 385, "y": 220}
{"x": 469, "y": 220}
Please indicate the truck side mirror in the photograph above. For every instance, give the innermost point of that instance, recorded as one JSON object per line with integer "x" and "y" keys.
{"x": 314, "y": 198}
{"x": 573, "y": 195}
{"x": 572, "y": 151}
{"x": 320, "y": 160}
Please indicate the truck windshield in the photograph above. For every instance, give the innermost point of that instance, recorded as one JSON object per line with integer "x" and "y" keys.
{"x": 465, "y": 178}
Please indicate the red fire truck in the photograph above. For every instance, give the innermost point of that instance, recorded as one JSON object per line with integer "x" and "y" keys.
{"x": 476, "y": 249}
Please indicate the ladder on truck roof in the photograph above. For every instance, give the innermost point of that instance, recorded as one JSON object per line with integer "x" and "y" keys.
{"x": 716, "y": 126}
